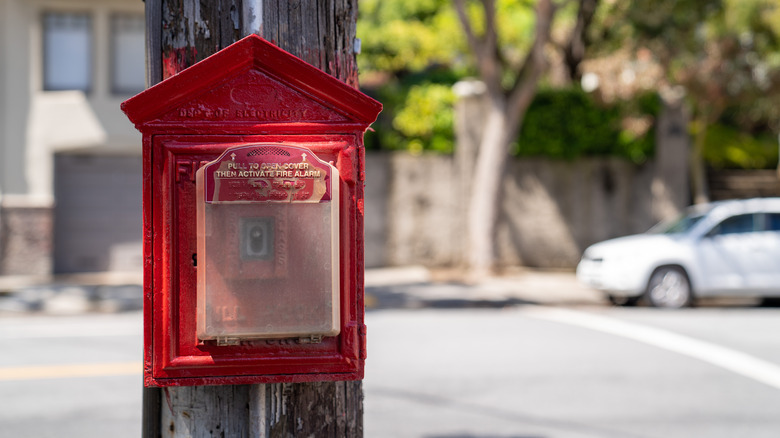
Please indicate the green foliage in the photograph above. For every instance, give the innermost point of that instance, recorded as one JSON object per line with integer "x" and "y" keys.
{"x": 412, "y": 53}
{"x": 568, "y": 124}
{"x": 411, "y": 35}
{"x": 561, "y": 124}
{"x": 426, "y": 118}
{"x": 418, "y": 114}
{"x": 726, "y": 53}
{"x": 728, "y": 147}
{"x": 637, "y": 143}
{"x": 407, "y": 35}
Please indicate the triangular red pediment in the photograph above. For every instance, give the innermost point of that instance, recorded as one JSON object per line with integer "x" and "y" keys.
{"x": 251, "y": 81}
{"x": 252, "y": 97}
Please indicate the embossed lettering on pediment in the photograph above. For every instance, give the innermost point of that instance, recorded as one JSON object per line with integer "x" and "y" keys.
{"x": 253, "y": 96}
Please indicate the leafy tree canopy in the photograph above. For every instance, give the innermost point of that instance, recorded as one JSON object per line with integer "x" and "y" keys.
{"x": 401, "y": 36}
{"x": 413, "y": 51}
{"x": 407, "y": 35}
{"x": 724, "y": 52}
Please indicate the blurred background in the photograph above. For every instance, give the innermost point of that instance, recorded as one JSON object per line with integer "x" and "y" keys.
{"x": 632, "y": 113}
{"x": 612, "y": 116}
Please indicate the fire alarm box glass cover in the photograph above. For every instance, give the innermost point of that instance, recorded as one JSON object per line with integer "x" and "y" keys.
{"x": 267, "y": 261}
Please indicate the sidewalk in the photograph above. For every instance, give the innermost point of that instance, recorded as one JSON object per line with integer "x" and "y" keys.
{"x": 386, "y": 288}
{"x": 417, "y": 287}
{"x": 71, "y": 294}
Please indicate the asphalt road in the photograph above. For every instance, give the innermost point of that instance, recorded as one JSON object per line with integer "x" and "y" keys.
{"x": 516, "y": 372}
{"x": 528, "y": 372}
{"x": 74, "y": 376}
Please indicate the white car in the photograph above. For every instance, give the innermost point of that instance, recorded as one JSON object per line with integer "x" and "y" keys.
{"x": 726, "y": 248}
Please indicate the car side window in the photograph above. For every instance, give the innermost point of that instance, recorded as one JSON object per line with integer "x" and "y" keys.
{"x": 743, "y": 223}
{"x": 773, "y": 221}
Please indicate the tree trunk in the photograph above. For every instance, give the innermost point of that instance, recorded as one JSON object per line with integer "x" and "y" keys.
{"x": 322, "y": 33}
{"x": 671, "y": 186}
{"x": 506, "y": 111}
{"x": 698, "y": 170}
{"x": 486, "y": 189}
{"x": 574, "y": 51}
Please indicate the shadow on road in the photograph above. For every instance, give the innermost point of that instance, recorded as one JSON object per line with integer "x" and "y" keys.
{"x": 436, "y": 296}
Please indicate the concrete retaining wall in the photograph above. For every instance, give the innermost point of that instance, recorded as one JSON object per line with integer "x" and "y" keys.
{"x": 551, "y": 210}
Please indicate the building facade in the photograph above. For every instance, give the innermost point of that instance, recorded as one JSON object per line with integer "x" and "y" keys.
{"x": 70, "y": 162}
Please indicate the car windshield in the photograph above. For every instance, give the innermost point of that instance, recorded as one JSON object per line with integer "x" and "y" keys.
{"x": 681, "y": 224}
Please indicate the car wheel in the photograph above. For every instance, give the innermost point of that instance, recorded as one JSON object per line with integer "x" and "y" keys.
{"x": 622, "y": 301}
{"x": 770, "y": 302}
{"x": 669, "y": 287}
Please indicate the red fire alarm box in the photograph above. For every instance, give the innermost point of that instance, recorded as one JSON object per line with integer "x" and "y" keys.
{"x": 253, "y": 221}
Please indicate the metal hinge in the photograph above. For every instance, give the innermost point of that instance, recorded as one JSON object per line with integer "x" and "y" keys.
{"x": 223, "y": 342}
{"x": 313, "y": 339}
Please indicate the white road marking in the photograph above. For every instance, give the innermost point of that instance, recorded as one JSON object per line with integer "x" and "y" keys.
{"x": 726, "y": 358}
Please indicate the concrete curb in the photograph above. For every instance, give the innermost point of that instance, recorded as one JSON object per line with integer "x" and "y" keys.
{"x": 416, "y": 287}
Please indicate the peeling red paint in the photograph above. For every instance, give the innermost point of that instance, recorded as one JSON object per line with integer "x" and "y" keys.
{"x": 176, "y": 60}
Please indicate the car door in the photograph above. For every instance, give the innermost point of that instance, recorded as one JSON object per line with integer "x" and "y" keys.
{"x": 729, "y": 255}
{"x": 767, "y": 255}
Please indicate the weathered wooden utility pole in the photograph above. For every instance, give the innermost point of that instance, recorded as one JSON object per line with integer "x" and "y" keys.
{"x": 322, "y": 33}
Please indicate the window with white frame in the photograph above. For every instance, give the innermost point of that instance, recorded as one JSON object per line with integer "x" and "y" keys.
{"x": 67, "y": 51}
{"x": 127, "y": 53}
